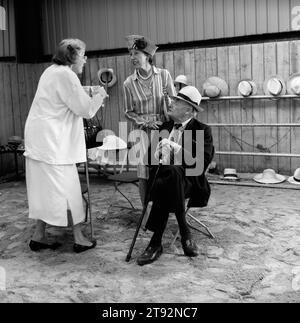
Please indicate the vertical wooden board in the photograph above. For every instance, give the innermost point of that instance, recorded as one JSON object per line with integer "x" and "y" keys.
{"x": 198, "y": 20}
{"x": 218, "y": 18}
{"x": 178, "y": 20}
{"x": 212, "y": 109}
{"x": 273, "y": 23}
{"x": 284, "y": 109}
{"x": 2, "y": 104}
{"x": 8, "y": 104}
{"x": 271, "y": 106}
{"x": 169, "y": 63}
{"x": 178, "y": 62}
{"x": 235, "y": 106}
{"x": 170, "y": 23}
{"x": 159, "y": 60}
{"x": 261, "y": 16}
{"x": 229, "y": 29}
{"x": 188, "y": 17}
{"x": 284, "y": 12}
{"x": 250, "y": 17}
{"x": 22, "y": 95}
{"x": 15, "y": 100}
{"x": 258, "y": 105}
{"x": 189, "y": 65}
{"x": 94, "y": 68}
{"x": 208, "y": 19}
{"x": 113, "y": 98}
{"x": 295, "y": 114}
{"x": 223, "y": 106}
{"x": 200, "y": 77}
{"x": 29, "y": 81}
{"x": 239, "y": 17}
{"x": 121, "y": 76}
{"x": 86, "y": 77}
{"x": 247, "y": 109}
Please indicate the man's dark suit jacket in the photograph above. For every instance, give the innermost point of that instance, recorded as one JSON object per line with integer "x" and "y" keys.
{"x": 200, "y": 191}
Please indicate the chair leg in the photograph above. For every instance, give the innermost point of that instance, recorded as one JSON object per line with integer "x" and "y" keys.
{"x": 208, "y": 233}
{"x": 86, "y": 208}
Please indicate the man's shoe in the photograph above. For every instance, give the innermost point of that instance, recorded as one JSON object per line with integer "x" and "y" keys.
{"x": 149, "y": 255}
{"x": 37, "y": 246}
{"x": 80, "y": 248}
{"x": 189, "y": 247}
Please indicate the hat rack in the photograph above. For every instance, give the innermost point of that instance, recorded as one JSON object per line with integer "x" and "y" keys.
{"x": 236, "y": 97}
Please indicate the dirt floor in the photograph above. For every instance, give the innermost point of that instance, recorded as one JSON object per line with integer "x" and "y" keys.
{"x": 255, "y": 256}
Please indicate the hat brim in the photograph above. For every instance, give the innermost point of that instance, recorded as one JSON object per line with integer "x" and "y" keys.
{"x": 111, "y": 72}
{"x": 254, "y": 88}
{"x": 219, "y": 83}
{"x": 260, "y": 179}
{"x": 195, "y": 106}
{"x": 231, "y": 178}
{"x": 292, "y": 181}
{"x": 289, "y": 88}
{"x": 266, "y": 90}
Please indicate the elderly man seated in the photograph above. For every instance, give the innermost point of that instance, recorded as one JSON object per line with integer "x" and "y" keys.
{"x": 184, "y": 151}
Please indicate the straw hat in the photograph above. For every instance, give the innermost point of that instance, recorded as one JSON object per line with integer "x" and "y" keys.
{"x": 274, "y": 86}
{"x": 141, "y": 43}
{"x": 247, "y": 88}
{"x": 107, "y": 76}
{"x": 215, "y": 86}
{"x": 112, "y": 142}
{"x": 293, "y": 84}
{"x": 296, "y": 178}
{"x": 190, "y": 95}
{"x": 268, "y": 176}
{"x": 181, "y": 79}
{"x": 230, "y": 173}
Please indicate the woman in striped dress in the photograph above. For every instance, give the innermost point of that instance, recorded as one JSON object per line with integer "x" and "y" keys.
{"x": 146, "y": 94}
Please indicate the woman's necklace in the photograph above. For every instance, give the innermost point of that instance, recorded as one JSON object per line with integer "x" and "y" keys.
{"x": 147, "y": 83}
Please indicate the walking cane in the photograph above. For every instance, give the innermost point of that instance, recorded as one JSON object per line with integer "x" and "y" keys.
{"x": 128, "y": 257}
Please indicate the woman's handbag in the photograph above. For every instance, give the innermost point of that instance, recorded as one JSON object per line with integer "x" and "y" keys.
{"x": 91, "y": 129}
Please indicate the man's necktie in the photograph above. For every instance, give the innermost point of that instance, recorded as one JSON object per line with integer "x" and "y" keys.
{"x": 177, "y": 125}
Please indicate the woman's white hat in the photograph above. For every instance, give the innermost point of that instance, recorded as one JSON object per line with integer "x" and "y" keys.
{"x": 215, "y": 86}
{"x": 269, "y": 176}
{"x": 274, "y": 86}
{"x": 230, "y": 173}
{"x": 293, "y": 84}
{"x": 190, "y": 95}
{"x": 296, "y": 178}
{"x": 181, "y": 79}
{"x": 112, "y": 142}
{"x": 247, "y": 88}
{"x": 107, "y": 77}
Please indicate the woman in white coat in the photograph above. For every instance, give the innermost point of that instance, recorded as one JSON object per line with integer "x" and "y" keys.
{"x": 55, "y": 142}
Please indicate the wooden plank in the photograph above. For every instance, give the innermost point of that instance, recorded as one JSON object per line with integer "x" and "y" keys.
{"x": 284, "y": 109}
{"x": 152, "y": 26}
{"x": 159, "y": 60}
{"x": 218, "y": 18}
{"x": 258, "y": 105}
{"x": 22, "y": 95}
{"x": 295, "y": 113}
{"x": 261, "y": 16}
{"x": 235, "y": 106}
{"x": 284, "y": 12}
{"x": 188, "y": 17}
{"x": 178, "y": 20}
{"x": 250, "y": 18}
{"x": 212, "y": 109}
{"x": 198, "y": 20}
{"x": 223, "y": 106}
{"x": 229, "y": 28}
{"x": 270, "y": 106}
{"x": 169, "y": 63}
{"x": 239, "y": 17}
{"x": 178, "y": 62}
{"x": 200, "y": 77}
{"x": 208, "y": 19}
{"x": 273, "y": 23}
{"x": 121, "y": 76}
{"x": 189, "y": 65}
{"x": 2, "y": 103}
{"x": 247, "y": 109}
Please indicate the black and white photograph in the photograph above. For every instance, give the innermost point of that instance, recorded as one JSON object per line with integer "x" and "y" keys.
{"x": 149, "y": 154}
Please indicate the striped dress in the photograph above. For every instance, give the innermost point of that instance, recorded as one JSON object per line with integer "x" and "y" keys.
{"x": 144, "y": 101}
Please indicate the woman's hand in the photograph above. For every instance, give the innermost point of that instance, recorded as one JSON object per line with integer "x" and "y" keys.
{"x": 153, "y": 124}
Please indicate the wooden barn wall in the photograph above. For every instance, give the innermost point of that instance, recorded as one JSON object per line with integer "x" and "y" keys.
{"x": 255, "y": 61}
{"x": 103, "y": 24}
{"x": 7, "y": 36}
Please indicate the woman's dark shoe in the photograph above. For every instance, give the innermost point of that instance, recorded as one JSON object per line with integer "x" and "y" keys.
{"x": 80, "y": 248}
{"x": 36, "y": 246}
{"x": 149, "y": 255}
{"x": 189, "y": 247}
